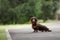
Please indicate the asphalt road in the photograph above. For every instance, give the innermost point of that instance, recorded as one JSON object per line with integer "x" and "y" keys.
{"x": 27, "y": 33}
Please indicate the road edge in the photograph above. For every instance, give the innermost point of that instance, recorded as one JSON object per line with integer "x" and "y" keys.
{"x": 8, "y": 35}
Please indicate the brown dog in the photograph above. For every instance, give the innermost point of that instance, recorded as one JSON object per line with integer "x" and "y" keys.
{"x": 34, "y": 23}
{"x": 39, "y": 27}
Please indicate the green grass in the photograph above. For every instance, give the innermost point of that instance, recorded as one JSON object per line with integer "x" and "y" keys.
{"x": 22, "y": 25}
{"x": 2, "y": 34}
{"x": 14, "y": 26}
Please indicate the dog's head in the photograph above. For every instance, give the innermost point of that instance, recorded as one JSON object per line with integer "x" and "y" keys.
{"x": 33, "y": 20}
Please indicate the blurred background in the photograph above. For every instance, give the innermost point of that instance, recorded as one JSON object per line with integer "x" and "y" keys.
{"x": 15, "y": 14}
{"x": 20, "y": 11}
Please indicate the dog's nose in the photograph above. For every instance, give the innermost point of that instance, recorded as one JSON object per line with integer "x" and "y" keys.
{"x": 33, "y": 20}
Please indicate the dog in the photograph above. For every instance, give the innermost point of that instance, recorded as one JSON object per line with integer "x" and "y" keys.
{"x": 38, "y": 27}
{"x": 33, "y": 20}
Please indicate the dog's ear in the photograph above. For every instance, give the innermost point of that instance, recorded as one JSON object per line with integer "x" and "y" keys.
{"x": 30, "y": 20}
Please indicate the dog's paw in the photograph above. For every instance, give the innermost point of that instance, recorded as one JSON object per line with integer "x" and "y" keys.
{"x": 35, "y": 31}
{"x": 49, "y": 30}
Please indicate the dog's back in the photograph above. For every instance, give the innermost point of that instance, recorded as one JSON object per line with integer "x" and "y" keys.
{"x": 43, "y": 28}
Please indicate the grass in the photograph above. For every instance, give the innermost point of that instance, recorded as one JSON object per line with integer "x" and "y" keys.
{"x": 2, "y": 34}
{"x": 14, "y": 26}
{"x": 22, "y": 25}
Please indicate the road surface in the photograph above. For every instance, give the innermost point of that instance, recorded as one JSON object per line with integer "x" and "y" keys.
{"x": 27, "y": 33}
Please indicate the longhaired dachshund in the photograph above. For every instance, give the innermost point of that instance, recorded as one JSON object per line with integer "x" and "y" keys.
{"x": 38, "y": 27}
